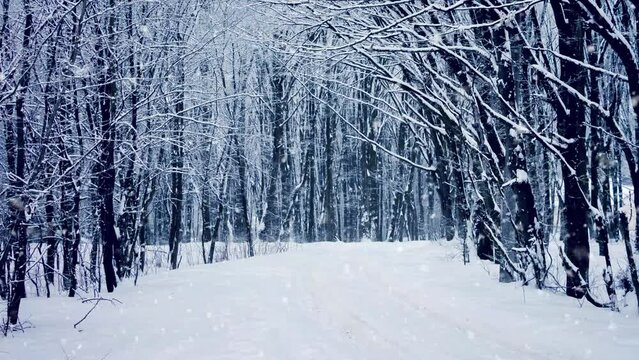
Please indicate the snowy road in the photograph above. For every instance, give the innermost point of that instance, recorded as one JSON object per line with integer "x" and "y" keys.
{"x": 327, "y": 301}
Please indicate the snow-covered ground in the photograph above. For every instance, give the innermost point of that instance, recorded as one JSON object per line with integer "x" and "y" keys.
{"x": 327, "y": 301}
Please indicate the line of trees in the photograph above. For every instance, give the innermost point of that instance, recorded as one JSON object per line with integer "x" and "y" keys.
{"x": 505, "y": 125}
{"x": 513, "y": 109}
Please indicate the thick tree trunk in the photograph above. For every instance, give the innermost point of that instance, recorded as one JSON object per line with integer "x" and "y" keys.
{"x": 19, "y": 206}
{"x": 513, "y": 76}
{"x": 369, "y": 221}
{"x": 462, "y": 213}
{"x": 177, "y": 181}
{"x": 395, "y": 230}
{"x": 244, "y": 196}
{"x": 278, "y": 172}
{"x": 105, "y": 168}
{"x": 443, "y": 186}
{"x": 485, "y": 221}
{"x": 571, "y": 125}
{"x": 216, "y": 232}
{"x": 205, "y": 208}
{"x": 75, "y": 245}
{"x": 127, "y": 220}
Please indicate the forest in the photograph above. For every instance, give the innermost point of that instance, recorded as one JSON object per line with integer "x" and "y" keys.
{"x": 508, "y": 127}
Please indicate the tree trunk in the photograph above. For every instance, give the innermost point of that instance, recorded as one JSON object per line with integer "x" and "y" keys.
{"x": 370, "y": 218}
{"x": 18, "y": 201}
{"x": 311, "y": 225}
{"x": 571, "y": 125}
{"x": 330, "y": 221}
{"x": 177, "y": 178}
{"x": 105, "y": 168}
{"x": 278, "y": 172}
{"x": 244, "y": 197}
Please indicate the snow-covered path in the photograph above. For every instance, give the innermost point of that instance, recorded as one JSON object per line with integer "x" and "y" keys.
{"x": 327, "y": 301}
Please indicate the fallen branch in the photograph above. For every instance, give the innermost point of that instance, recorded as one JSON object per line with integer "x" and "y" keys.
{"x": 97, "y": 301}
